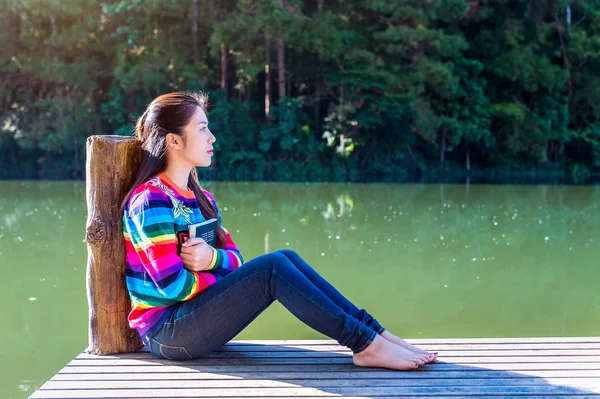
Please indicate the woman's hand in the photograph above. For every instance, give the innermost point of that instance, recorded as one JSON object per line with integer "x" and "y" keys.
{"x": 196, "y": 254}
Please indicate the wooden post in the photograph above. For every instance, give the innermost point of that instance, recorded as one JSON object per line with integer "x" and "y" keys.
{"x": 111, "y": 166}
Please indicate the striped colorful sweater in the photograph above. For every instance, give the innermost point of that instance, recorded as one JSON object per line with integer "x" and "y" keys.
{"x": 154, "y": 219}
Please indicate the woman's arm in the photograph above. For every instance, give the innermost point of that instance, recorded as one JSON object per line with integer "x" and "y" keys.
{"x": 155, "y": 271}
{"x": 224, "y": 259}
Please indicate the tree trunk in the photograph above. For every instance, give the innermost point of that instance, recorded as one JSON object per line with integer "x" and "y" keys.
{"x": 569, "y": 16}
{"x": 111, "y": 166}
{"x": 443, "y": 149}
{"x": 565, "y": 57}
{"x": 223, "y": 67}
{"x": 281, "y": 68}
{"x": 468, "y": 160}
{"x": 195, "y": 30}
{"x": 317, "y": 110}
{"x": 544, "y": 153}
{"x": 281, "y": 62}
{"x": 54, "y": 31}
{"x": 267, "y": 78}
{"x": 561, "y": 150}
{"x": 220, "y": 18}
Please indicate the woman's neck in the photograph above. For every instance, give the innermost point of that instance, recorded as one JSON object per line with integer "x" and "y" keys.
{"x": 178, "y": 175}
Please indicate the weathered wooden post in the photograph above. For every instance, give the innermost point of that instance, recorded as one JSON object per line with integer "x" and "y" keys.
{"x": 111, "y": 165}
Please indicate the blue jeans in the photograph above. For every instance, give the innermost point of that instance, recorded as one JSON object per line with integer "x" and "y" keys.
{"x": 220, "y": 312}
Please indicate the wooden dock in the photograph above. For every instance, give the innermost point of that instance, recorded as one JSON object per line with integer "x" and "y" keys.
{"x": 532, "y": 367}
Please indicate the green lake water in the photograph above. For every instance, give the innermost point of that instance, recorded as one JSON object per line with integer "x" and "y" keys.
{"x": 428, "y": 261}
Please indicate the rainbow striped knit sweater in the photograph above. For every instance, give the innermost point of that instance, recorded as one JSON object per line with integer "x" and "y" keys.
{"x": 156, "y": 215}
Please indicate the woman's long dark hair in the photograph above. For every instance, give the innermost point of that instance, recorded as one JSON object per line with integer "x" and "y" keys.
{"x": 169, "y": 113}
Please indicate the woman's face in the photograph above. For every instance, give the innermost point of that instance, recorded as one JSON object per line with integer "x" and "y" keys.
{"x": 198, "y": 149}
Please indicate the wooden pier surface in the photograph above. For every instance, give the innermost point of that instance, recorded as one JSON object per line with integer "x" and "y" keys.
{"x": 478, "y": 368}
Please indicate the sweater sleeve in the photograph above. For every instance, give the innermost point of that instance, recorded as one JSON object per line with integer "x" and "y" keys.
{"x": 225, "y": 259}
{"x": 157, "y": 275}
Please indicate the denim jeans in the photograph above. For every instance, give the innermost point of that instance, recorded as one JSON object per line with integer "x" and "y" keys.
{"x": 206, "y": 322}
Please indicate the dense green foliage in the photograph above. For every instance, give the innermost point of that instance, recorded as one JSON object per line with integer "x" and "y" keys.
{"x": 357, "y": 90}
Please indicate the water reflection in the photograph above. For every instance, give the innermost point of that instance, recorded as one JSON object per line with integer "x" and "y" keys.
{"x": 426, "y": 260}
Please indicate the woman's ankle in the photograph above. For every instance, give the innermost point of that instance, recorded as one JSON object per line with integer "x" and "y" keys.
{"x": 373, "y": 347}
{"x": 388, "y": 336}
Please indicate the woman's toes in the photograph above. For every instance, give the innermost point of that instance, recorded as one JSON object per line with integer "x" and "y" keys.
{"x": 431, "y": 358}
{"x": 419, "y": 361}
{"x": 421, "y": 352}
{"x": 426, "y": 356}
{"x": 421, "y": 356}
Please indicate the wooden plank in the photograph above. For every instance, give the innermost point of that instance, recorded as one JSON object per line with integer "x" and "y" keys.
{"x": 591, "y": 361}
{"x": 315, "y": 368}
{"x": 494, "y": 396}
{"x": 428, "y": 341}
{"x": 440, "y": 347}
{"x": 332, "y": 375}
{"x": 405, "y": 397}
{"x": 588, "y": 383}
{"x": 583, "y": 353}
{"x": 341, "y": 360}
{"x": 453, "y": 346}
{"x": 547, "y": 390}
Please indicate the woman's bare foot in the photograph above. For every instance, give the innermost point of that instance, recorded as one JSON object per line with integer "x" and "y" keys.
{"x": 428, "y": 357}
{"x": 382, "y": 353}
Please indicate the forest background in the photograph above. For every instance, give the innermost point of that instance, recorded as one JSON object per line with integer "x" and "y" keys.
{"x": 318, "y": 90}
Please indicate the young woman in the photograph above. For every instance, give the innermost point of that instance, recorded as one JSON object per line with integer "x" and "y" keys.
{"x": 189, "y": 298}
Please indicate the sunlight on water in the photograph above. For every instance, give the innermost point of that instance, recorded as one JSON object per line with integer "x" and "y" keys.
{"x": 425, "y": 260}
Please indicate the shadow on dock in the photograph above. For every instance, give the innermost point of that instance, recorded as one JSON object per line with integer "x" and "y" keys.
{"x": 256, "y": 370}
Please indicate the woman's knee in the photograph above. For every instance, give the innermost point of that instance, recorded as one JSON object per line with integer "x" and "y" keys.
{"x": 277, "y": 258}
{"x": 279, "y": 266}
{"x": 266, "y": 261}
{"x": 281, "y": 263}
{"x": 270, "y": 264}
{"x": 288, "y": 253}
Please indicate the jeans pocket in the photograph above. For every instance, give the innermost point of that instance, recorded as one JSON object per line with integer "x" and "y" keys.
{"x": 169, "y": 352}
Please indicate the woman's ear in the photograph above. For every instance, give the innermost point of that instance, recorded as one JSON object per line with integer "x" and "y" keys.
{"x": 174, "y": 141}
